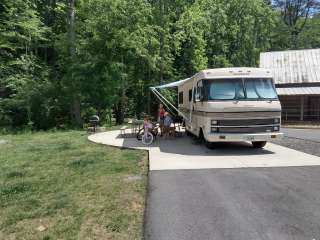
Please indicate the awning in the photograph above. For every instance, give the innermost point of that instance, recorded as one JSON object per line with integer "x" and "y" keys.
{"x": 299, "y": 91}
{"x": 173, "y": 84}
{"x": 165, "y": 101}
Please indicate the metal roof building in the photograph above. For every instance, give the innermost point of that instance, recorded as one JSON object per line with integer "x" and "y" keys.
{"x": 297, "y": 77}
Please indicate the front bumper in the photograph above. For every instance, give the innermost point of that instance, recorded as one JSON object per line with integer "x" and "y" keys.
{"x": 237, "y": 137}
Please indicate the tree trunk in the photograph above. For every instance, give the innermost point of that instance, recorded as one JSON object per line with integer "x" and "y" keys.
{"x": 110, "y": 116}
{"x": 122, "y": 101}
{"x": 72, "y": 32}
{"x": 76, "y": 111}
{"x": 119, "y": 112}
{"x": 120, "y": 106}
{"x": 161, "y": 41}
{"x": 294, "y": 38}
{"x": 76, "y": 104}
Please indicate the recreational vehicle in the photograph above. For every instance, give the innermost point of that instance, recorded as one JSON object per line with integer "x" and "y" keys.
{"x": 230, "y": 104}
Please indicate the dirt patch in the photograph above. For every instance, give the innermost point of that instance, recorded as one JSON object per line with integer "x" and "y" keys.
{"x": 133, "y": 178}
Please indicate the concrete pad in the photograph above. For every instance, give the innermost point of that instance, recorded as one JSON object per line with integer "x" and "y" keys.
{"x": 184, "y": 153}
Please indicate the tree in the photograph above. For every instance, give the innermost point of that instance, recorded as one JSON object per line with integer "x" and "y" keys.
{"x": 192, "y": 45}
{"x": 74, "y": 90}
{"x": 310, "y": 36}
{"x": 295, "y": 14}
{"x": 222, "y": 35}
{"x": 22, "y": 74}
{"x": 61, "y": 61}
{"x": 115, "y": 42}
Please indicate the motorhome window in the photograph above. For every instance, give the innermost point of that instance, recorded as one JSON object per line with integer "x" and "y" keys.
{"x": 260, "y": 88}
{"x": 180, "y": 98}
{"x": 190, "y": 95}
{"x": 225, "y": 89}
{"x": 199, "y": 91}
{"x": 239, "y": 89}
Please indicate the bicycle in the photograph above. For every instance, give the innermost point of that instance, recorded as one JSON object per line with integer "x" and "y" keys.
{"x": 148, "y": 137}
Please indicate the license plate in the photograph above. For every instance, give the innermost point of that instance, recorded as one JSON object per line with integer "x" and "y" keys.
{"x": 250, "y": 138}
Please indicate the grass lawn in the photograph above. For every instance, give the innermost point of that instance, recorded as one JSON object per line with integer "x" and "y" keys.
{"x": 58, "y": 185}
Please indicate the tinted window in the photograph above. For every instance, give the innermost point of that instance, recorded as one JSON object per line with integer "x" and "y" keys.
{"x": 226, "y": 89}
{"x": 199, "y": 90}
{"x": 180, "y": 97}
{"x": 190, "y": 95}
{"x": 260, "y": 88}
{"x": 241, "y": 88}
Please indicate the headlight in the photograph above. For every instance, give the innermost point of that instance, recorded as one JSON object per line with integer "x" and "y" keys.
{"x": 214, "y": 122}
{"x": 276, "y": 128}
{"x": 213, "y": 129}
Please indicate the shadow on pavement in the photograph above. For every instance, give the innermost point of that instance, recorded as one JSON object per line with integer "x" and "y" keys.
{"x": 187, "y": 146}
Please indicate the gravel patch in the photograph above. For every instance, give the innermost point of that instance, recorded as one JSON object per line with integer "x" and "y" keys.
{"x": 302, "y": 145}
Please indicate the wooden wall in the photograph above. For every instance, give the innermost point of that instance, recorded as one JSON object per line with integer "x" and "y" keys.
{"x": 292, "y": 108}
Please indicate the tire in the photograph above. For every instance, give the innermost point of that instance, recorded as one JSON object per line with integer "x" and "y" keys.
{"x": 188, "y": 133}
{"x": 209, "y": 145}
{"x": 147, "y": 139}
{"x": 200, "y": 138}
{"x": 140, "y": 134}
{"x": 259, "y": 144}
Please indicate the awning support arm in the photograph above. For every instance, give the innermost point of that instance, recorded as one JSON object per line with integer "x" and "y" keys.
{"x": 163, "y": 100}
{"x": 159, "y": 97}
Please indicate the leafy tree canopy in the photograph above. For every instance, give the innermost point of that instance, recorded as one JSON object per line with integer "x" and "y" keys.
{"x": 62, "y": 60}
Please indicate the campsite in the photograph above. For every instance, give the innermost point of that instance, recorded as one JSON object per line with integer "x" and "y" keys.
{"x": 160, "y": 119}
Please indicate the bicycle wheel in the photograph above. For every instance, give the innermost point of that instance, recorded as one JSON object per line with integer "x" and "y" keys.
{"x": 140, "y": 134}
{"x": 147, "y": 139}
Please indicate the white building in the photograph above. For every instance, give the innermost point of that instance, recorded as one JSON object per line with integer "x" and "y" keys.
{"x": 297, "y": 78}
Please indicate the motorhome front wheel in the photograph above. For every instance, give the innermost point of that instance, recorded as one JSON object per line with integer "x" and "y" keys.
{"x": 259, "y": 144}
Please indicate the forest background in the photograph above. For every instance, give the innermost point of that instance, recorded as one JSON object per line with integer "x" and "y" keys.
{"x": 64, "y": 60}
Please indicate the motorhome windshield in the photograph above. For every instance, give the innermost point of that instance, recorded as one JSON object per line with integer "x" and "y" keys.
{"x": 240, "y": 89}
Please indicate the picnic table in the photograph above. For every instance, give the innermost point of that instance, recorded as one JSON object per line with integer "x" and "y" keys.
{"x": 136, "y": 125}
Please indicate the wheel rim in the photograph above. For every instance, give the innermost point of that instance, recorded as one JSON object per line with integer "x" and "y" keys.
{"x": 147, "y": 138}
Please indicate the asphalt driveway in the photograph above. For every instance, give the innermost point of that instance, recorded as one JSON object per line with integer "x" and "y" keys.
{"x": 234, "y": 204}
{"x": 233, "y": 192}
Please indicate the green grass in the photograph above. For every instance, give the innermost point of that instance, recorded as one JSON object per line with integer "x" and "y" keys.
{"x": 74, "y": 188}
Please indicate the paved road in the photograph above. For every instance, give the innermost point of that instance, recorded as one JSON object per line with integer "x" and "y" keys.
{"x": 234, "y": 204}
{"x": 307, "y": 134}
